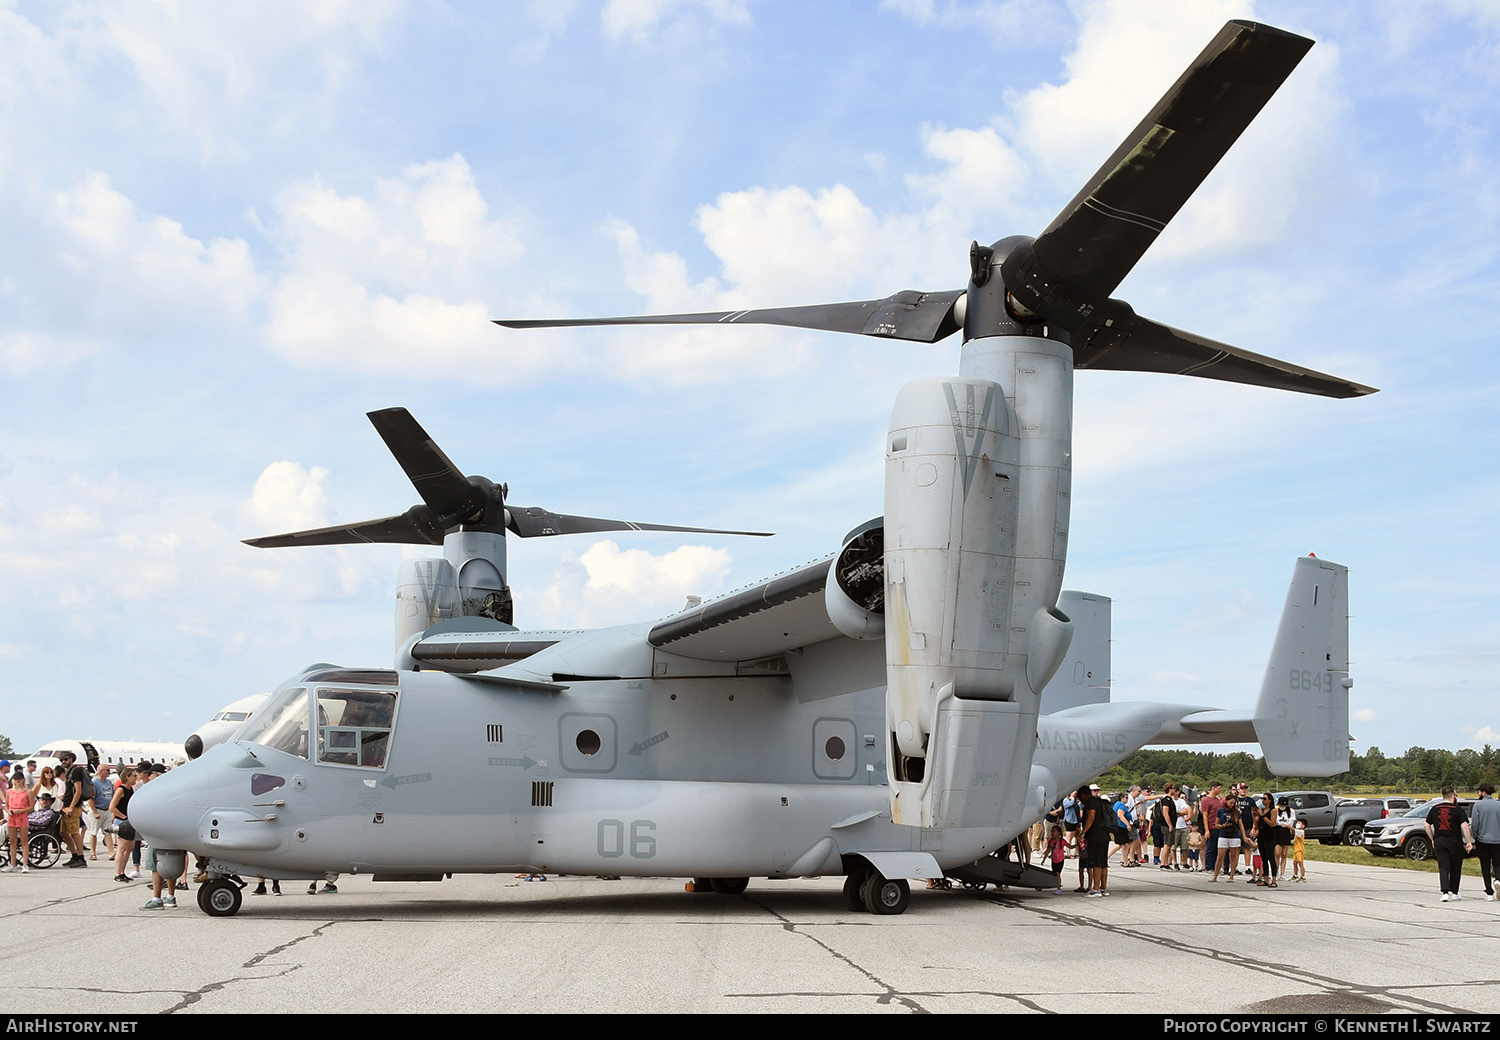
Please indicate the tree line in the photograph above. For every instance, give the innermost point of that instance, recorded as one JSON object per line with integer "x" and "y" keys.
{"x": 1419, "y": 769}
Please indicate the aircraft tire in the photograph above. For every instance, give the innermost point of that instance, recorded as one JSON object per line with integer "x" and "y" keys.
{"x": 702, "y": 884}
{"x": 219, "y": 898}
{"x": 887, "y": 896}
{"x": 729, "y": 886}
{"x": 854, "y": 894}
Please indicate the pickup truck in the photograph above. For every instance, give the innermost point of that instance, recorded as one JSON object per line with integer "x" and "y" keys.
{"x": 1331, "y": 820}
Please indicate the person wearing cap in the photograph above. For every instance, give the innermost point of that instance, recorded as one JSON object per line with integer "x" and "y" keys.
{"x": 98, "y": 820}
{"x": 1096, "y": 829}
{"x": 76, "y": 783}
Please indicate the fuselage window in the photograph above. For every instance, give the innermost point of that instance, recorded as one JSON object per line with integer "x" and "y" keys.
{"x": 354, "y": 726}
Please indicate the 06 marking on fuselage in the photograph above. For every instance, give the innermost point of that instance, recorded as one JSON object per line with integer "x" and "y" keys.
{"x": 611, "y": 839}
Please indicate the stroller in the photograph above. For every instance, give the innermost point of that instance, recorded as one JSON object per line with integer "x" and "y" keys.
{"x": 44, "y": 843}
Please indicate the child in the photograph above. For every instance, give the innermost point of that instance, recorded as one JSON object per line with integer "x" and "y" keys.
{"x": 1195, "y": 846}
{"x": 17, "y": 807}
{"x": 1057, "y": 851}
{"x": 1299, "y": 852}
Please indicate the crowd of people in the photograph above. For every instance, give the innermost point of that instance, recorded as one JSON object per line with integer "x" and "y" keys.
{"x": 85, "y": 813}
{"x": 1224, "y": 833}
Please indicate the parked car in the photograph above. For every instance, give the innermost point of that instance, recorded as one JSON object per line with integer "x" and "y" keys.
{"x": 1405, "y": 835}
{"x": 1333, "y": 821}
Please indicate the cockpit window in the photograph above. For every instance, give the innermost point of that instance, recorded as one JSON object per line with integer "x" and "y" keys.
{"x": 354, "y": 726}
{"x": 282, "y": 726}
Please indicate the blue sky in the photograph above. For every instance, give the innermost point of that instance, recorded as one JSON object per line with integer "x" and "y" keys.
{"x": 232, "y": 230}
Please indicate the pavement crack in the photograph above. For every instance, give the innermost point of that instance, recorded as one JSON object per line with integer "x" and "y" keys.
{"x": 889, "y": 995}
{"x": 314, "y": 934}
{"x": 192, "y": 997}
{"x": 1289, "y": 972}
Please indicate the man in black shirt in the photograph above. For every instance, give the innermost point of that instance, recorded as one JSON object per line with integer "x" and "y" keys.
{"x": 1096, "y": 828}
{"x": 1448, "y": 829}
{"x": 72, "y": 807}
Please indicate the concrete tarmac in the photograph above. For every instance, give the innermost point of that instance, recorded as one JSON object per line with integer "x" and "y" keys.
{"x": 1351, "y": 939}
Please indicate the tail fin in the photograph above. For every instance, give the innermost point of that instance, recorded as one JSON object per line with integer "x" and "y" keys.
{"x": 1084, "y": 675}
{"x": 1302, "y": 716}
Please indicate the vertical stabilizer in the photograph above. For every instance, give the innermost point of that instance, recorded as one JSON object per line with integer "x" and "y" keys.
{"x": 1083, "y": 677}
{"x": 1302, "y": 716}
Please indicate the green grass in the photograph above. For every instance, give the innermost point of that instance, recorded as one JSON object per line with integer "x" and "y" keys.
{"x": 1347, "y": 854}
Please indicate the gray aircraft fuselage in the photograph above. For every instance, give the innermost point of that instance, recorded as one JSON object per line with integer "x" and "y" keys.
{"x": 704, "y": 776}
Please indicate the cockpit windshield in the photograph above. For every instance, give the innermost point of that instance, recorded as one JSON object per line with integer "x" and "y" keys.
{"x": 282, "y": 726}
{"x": 354, "y": 726}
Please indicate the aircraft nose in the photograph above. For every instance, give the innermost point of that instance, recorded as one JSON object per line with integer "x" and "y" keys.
{"x": 164, "y": 811}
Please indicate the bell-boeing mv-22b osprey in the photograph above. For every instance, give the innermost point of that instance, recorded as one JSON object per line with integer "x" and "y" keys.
{"x": 877, "y": 714}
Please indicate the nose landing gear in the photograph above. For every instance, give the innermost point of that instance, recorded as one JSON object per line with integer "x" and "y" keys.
{"x": 220, "y": 897}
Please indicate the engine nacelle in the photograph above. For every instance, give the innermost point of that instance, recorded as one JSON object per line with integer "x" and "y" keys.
{"x": 950, "y": 547}
{"x": 855, "y": 591}
{"x": 426, "y": 593}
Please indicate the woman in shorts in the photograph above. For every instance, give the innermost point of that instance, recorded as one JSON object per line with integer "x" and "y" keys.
{"x": 119, "y": 810}
{"x": 1231, "y": 837}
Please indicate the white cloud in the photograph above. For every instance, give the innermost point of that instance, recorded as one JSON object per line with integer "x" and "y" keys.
{"x": 148, "y": 266}
{"x": 1363, "y": 715}
{"x": 642, "y": 20}
{"x": 197, "y": 63}
{"x": 1010, "y": 23}
{"x": 288, "y": 497}
{"x": 397, "y": 281}
{"x": 22, "y": 352}
{"x": 609, "y": 586}
{"x": 1482, "y": 736}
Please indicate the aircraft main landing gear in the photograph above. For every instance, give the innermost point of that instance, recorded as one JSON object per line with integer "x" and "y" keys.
{"x": 220, "y": 897}
{"x": 873, "y": 893}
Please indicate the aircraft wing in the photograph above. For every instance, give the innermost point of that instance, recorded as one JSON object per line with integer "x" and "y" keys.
{"x": 781, "y": 613}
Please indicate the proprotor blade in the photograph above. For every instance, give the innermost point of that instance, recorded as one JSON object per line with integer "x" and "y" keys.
{"x": 532, "y": 522}
{"x": 413, "y": 527}
{"x": 1085, "y": 253}
{"x": 910, "y": 315}
{"x": 1117, "y": 338}
{"x": 447, "y": 492}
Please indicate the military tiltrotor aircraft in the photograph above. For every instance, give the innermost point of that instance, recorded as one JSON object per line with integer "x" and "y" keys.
{"x": 878, "y": 714}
